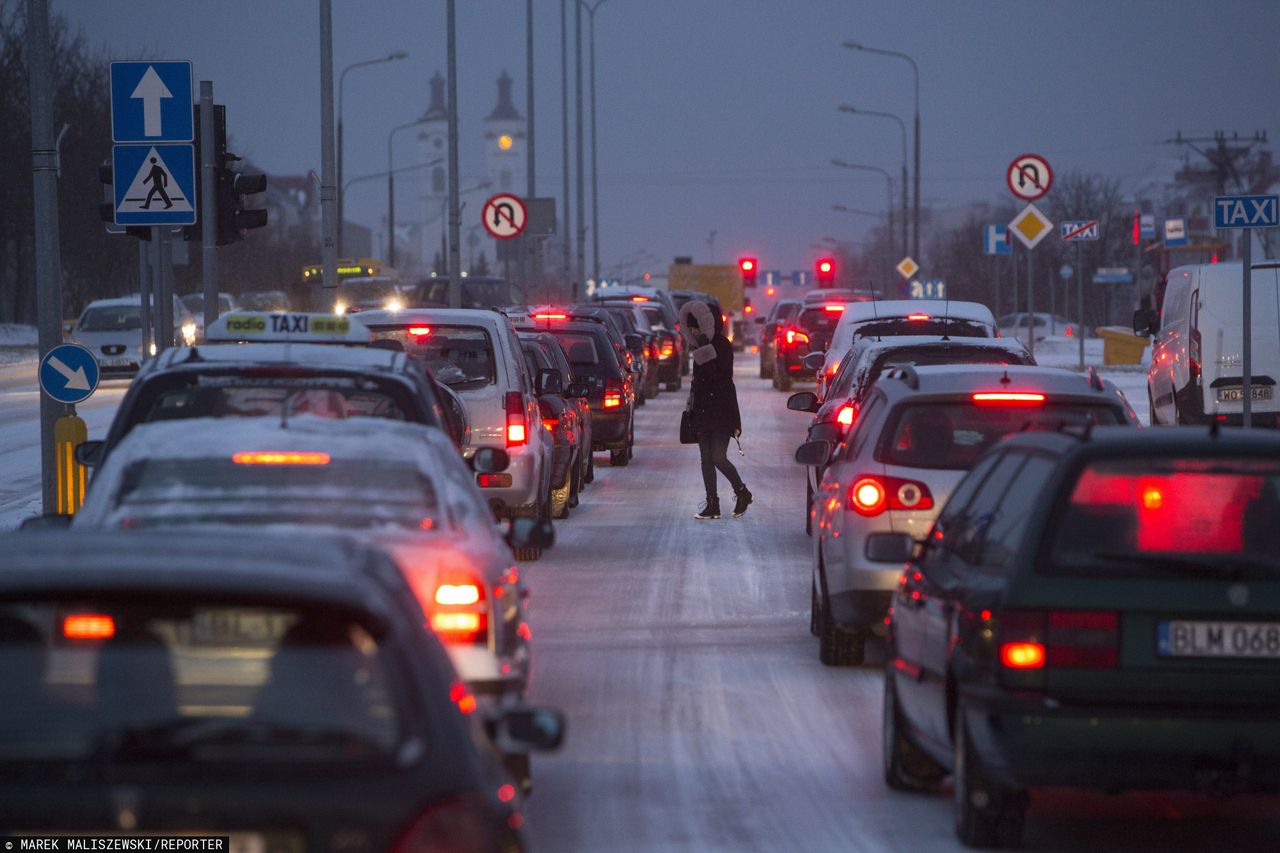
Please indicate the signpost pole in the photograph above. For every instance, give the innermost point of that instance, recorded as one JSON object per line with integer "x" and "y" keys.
{"x": 144, "y": 288}
{"x": 1031, "y": 309}
{"x": 1080, "y": 303}
{"x": 995, "y": 279}
{"x": 328, "y": 167}
{"x": 164, "y": 287}
{"x": 1246, "y": 256}
{"x": 208, "y": 205}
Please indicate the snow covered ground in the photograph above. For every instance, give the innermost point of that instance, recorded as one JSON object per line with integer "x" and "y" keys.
{"x": 17, "y": 343}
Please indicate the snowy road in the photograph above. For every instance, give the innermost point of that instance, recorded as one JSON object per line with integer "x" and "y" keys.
{"x": 699, "y": 716}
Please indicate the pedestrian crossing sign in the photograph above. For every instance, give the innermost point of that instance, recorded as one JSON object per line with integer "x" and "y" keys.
{"x": 154, "y": 184}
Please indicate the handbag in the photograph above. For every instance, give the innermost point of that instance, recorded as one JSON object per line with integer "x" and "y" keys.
{"x": 687, "y": 435}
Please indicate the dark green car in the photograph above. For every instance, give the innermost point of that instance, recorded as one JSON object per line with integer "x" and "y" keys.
{"x": 1093, "y": 608}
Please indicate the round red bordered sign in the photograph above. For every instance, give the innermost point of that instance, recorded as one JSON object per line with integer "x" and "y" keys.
{"x": 504, "y": 216}
{"x": 1029, "y": 177}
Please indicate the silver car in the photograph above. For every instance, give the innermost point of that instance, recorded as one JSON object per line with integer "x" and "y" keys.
{"x": 111, "y": 329}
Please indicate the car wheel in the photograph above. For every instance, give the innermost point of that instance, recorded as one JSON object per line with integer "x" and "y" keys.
{"x": 560, "y": 497}
{"x": 675, "y": 386}
{"x": 575, "y": 482}
{"x": 765, "y": 372}
{"x": 906, "y": 766}
{"x": 783, "y": 383}
{"x": 839, "y": 646}
{"x": 619, "y": 458}
{"x": 591, "y": 468}
{"x": 986, "y": 814}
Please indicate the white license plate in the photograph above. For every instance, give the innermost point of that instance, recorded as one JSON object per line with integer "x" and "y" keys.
{"x": 1236, "y": 395}
{"x": 1188, "y": 639}
{"x": 116, "y": 362}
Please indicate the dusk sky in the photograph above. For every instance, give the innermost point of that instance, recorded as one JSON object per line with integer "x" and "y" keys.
{"x": 722, "y": 114}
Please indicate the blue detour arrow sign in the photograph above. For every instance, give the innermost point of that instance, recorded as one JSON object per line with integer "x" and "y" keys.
{"x": 69, "y": 373}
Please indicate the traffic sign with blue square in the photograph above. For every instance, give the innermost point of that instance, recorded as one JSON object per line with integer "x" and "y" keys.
{"x": 154, "y": 184}
{"x": 69, "y": 373}
{"x": 1246, "y": 211}
{"x": 800, "y": 278}
{"x": 151, "y": 102}
{"x": 995, "y": 240}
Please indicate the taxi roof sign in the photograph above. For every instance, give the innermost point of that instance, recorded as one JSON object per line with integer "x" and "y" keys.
{"x": 290, "y": 327}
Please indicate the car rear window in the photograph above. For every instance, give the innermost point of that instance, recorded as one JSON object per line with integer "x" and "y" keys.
{"x": 461, "y": 357}
{"x": 274, "y": 396}
{"x": 952, "y": 435}
{"x": 117, "y": 318}
{"x": 923, "y": 356}
{"x": 185, "y": 679}
{"x": 277, "y": 487}
{"x": 898, "y": 326}
{"x": 579, "y": 349}
{"x": 1188, "y": 516}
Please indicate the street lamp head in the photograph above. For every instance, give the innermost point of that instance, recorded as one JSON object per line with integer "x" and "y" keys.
{"x": 852, "y": 45}
{"x": 839, "y": 164}
{"x": 847, "y": 108}
{"x": 399, "y": 54}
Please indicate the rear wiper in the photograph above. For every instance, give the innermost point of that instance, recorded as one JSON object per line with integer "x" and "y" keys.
{"x": 1232, "y": 568}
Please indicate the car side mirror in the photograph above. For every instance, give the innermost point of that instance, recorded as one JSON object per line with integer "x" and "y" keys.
{"x": 531, "y": 533}
{"x": 89, "y": 453}
{"x": 814, "y": 453}
{"x": 490, "y": 460}
{"x": 890, "y": 547}
{"x": 634, "y": 341}
{"x": 528, "y": 729}
{"x": 48, "y": 521}
{"x": 577, "y": 390}
{"x": 1146, "y": 322}
{"x": 804, "y": 401}
{"x": 549, "y": 382}
{"x": 826, "y": 431}
{"x": 815, "y": 360}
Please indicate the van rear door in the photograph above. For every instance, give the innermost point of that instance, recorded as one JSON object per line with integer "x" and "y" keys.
{"x": 1219, "y": 318}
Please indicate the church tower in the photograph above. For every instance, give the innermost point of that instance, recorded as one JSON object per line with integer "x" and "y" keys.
{"x": 433, "y": 142}
{"x": 504, "y": 139}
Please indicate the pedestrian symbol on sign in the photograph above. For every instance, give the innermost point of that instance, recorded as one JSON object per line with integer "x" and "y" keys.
{"x": 159, "y": 180}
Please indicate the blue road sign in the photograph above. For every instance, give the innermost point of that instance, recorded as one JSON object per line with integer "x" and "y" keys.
{"x": 155, "y": 184}
{"x": 1112, "y": 275}
{"x": 151, "y": 102}
{"x": 934, "y": 288}
{"x": 1147, "y": 225}
{"x": 1079, "y": 229}
{"x": 771, "y": 278}
{"x": 1175, "y": 233}
{"x": 800, "y": 278}
{"x": 1246, "y": 211}
{"x": 69, "y": 373}
{"x": 995, "y": 240}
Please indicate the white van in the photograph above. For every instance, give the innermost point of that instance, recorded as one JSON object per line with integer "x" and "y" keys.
{"x": 1197, "y": 369}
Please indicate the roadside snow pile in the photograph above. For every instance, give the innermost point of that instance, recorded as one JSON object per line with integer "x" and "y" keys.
{"x": 13, "y": 335}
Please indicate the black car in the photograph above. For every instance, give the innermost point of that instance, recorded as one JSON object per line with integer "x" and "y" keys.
{"x": 1095, "y": 608}
{"x": 779, "y": 315}
{"x": 808, "y": 332}
{"x": 593, "y": 360}
{"x": 566, "y": 415}
{"x": 675, "y": 357}
{"x": 279, "y": 690}
{"x": 643, "y": 342}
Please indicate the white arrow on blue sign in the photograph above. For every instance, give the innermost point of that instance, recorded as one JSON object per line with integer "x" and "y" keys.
{"x": 1246, "y": 211}
{"x": 995, "y": 240}
{"x": 151, "y": 101}
{"x": 69, "y": 373}
{"x": 800, "y": 278}
{"x": 771, "y": 278}
{"x": 1080, "y": 229}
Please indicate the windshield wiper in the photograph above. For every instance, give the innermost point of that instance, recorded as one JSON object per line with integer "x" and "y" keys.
{"x": 1231, "y": 568}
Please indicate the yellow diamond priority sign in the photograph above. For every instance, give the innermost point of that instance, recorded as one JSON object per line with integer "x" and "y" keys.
{"x": 1031, "y": 226}
{"x": 907, "y": 267}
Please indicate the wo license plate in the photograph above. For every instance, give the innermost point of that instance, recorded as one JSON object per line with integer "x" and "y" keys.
{"x": 1236, "y": 395}
{"x": 1195, "y": 639}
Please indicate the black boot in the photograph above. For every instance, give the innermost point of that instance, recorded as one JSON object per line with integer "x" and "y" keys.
{"x": 710, "y": 511}
{"x": 742, "y": 502}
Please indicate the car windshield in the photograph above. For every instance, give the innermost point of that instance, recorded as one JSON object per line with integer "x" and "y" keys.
{"x": 255, "y": 487}
{"x": 114, "y": 318}
{"x": 897, "y": 326}
{"x": 274, "y": 396}
{"x": 475, "y": 294}
{"x": 461, "y": 357}
{"x": 360, "y": 291}
{"x": 952, "y": 435}
{"x": 184, "y": 679}
{"x": 1143, "y": 516}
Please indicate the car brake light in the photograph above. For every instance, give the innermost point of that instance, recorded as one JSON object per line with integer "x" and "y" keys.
{"x": 834, "y": 309}
{"x": 1022, "y": 655}
{"x": 1031, "y": 640}
{"x": 1069, "y": 332}
{"x": 846, "y": 414}
{"x": 1008, "y": 398}
{"x": 917, "y": 317}
{"x": 612, "y": 394}
{"x": 457, "y": 593}
{"x": 456, "y": 825}
{"x": 462, "y": 697}
{"x": 273, "y": 457}
{"x": 419, "y": 331}
{"x": 871, "y": 495}
{"x": 493, "y": 481}
{"x": 793, "y": 336}
{"x": 458, "y": 610}
{"x": 668, "y": 348}
{"x": 550, "y": 316}
{"x": 88, "y": 626}
{"x": 639, "y": 299}
{"x": 516, "y": 427}
{"x": 550, "y": 424}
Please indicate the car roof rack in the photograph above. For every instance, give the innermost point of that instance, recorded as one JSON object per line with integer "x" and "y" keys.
{"x": 907, "y": 374}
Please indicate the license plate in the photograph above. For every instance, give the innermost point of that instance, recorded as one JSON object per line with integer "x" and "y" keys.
{"x": 1188, "y": 639}
{"x": 1236, "y": 395}
{"x": 115, "y": 362}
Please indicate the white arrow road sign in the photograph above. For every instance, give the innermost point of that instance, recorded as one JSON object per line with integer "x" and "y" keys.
{"x": 76, "y": 379}
{"x": 151, "y": 89}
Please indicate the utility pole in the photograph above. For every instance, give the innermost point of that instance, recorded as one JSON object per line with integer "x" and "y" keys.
{"x": 595, "y": 192}
{"x": 526, "y": 244}
{"x": 208, "y": 204}
{"x": 564, "y": 149}
{"x": 580, "y": 281}
{"x": 44, "y": 165}
{"x": 328, "y": 187}
{"x": 455, "y": 212}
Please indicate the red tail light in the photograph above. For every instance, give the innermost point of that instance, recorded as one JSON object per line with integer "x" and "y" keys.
{"x": 1022, "y": 655}
{"x": 668, "y": 348}
{"x": 88, "y": 626}
{"x": 279, "y": 457}
{"x": 792, "y": 336}
{"x": 612, "y": 394}
{"x": 846, "y": 414}
{"x": 1069, "y": 332}
{"x": 419, "y": 331}
{"x": 550, "y": 424}
{"x": 1008, "y": 398}
{"x": 1032, "y": 640}
{"x": 834, "y": 309}
{"x": 517, "y": 429}
{"x": 639, "y": 299}
{"x": 917, "y": 317}
{"x": 459, "y": 610}
{"x": 872, "y": 494}
{"x": 462, "y": 697}
{"x": 457, "y": 825}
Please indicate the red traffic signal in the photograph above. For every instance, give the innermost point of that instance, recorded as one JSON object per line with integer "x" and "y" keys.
{"x": 826, "y": 269}
{"x": 748, "y": 267}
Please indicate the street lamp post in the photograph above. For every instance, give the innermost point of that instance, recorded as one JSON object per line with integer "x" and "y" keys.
{"x": 845, "y": 108}
{"x": 342, "y": 79}
{"x": 915, "y": 74}
{"x": 841, "y": 164}
{"x": 391, "y": 190}
{"x": 595, "y": 193}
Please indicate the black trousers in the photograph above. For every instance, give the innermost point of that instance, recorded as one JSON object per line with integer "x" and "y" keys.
{"x": 714, "y": 447}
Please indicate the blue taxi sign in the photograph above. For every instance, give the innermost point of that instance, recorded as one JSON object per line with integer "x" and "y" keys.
{"x": 1246, "y": 211}
{"x": 287, "y": 327}
{"x": 69, "y": 373}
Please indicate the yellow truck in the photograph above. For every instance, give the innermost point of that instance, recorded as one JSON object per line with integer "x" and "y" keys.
{"x": 721, "y": 281}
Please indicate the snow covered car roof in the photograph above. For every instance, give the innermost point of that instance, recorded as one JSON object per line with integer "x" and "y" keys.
{"x": 318, "y": 355}
{"x": 858, "y": 312}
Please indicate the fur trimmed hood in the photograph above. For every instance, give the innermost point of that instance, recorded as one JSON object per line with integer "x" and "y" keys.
{"x": 698, "y": 313}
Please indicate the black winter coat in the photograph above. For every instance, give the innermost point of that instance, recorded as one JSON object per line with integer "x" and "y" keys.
{"x": 715, "y": 399}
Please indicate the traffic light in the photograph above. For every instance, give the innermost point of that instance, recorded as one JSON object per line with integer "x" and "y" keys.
{"x": 748, "y": 266}
{"x": 826, "y": 269}
{"x": 233, "y": 218}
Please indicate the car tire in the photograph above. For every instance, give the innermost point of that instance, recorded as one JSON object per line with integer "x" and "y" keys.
{"x": 676, "y": 385}
{"x": 575, "y": 483}
{"x": 784, "y": 383}
{"x": 590, "y": 475}
{"x": 906, "y": 766}
{"x": 619, "y": 458}
{"x": 560, "y": 497}
{"x": 1152, "y": 418}
{"x": 813, "y": 607}
{"x": 839, "y": 646}
{"x": 986, "y": 814}
{"x": 765, "y": 372}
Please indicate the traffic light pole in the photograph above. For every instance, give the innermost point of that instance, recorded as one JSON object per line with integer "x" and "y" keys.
{"x": 208, "y": 204}
{"x": 455, "y": 209}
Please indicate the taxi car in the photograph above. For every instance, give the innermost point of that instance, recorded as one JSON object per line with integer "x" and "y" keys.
{"x": 1097, "y": 609}
{"x": 260, "y": 364}
{"x": 399, "y": 486}
{"x": 918, "y": 432}
{"x": 278, "y": 690}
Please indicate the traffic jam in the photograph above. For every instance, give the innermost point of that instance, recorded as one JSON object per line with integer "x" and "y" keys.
{"x": 334, "y": 540}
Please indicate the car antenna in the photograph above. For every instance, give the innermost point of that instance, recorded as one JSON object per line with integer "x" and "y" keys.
{"x": 875, "y": 314}
{"x": 1005, "y": 380}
